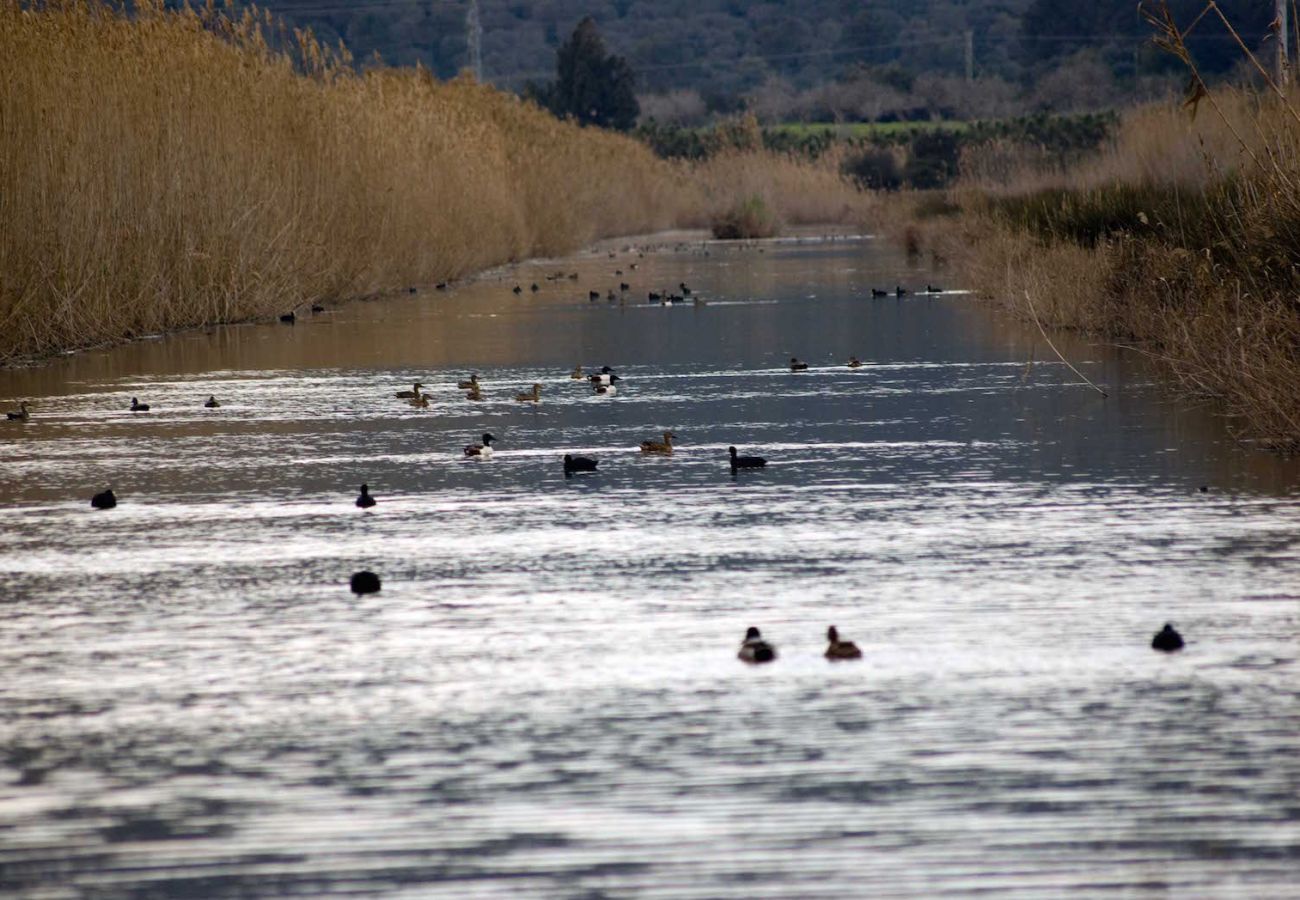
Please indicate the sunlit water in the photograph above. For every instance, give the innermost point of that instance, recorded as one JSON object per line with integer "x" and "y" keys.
{"x": 544, "y": 700}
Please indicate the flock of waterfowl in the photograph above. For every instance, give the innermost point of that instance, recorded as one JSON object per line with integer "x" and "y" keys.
{"x": 755, "y": 649}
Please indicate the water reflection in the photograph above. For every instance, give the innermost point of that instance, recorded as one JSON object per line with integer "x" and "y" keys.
{"x": 544, "y": 699}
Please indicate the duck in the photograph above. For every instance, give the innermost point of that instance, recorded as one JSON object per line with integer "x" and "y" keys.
{"x": 1167, "y": 639}
{"x": 854, "y": 362}
{"x": 289, "y": 318}
{"x": 624, "y": 286}
{"x": 483, "y": 450}
{"x": 534, "y": 288}
{"x": 365, "y": 583}
{"x": 475, "y": 394}
{"x": 753, "y": 649}
{"x": 593, "y": 296}
{"x": 933, "y": 289}
{"x": 104, "y": 500}
{"x": 137, "y": 406}
{"x": 579, "y": 464}
{"x": 686, "y": 292}
{"x": 745, "y": 462}
{"x": 472, "y": 383}
{"x": 364, "y": 500}
{"x": 211, "y": 402}
{"x": 839, "y": 649}
{"x": 518, "y": 290}
{"x": 420, "y": 402}
{"x": 664, "y": 448}
{"x": 606, "y": 390}
{"x": 576, "y": 374}
{"x": 654, "y": 297}
{"x": 900, "y": 291}
{"x": 796, "y": 365}
{"x": 877, "y": 292}
{"x": 408, "y": 395}
{"x": 317, "y": 308}
{"x": 20, "y": 415}
{"x": 605, "y": 376}
{"x": 534, "y": 397}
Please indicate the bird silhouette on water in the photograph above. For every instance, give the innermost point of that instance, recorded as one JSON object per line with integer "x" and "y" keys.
{"x": 19, "y": 415}
{"x": 745, "y": 462}
{"x": 1167, "y": 639}
{"x": 574, "y": 464}
{"x": 137, "y": 406}
{"x": 839, "y": 649}
{"x": 104, "y": 500}
{"x": 365, "y": 501}
{"x": 754, "y": 649}
{"x": 365, "y": 583}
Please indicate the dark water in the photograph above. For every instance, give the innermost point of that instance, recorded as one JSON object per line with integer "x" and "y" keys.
{"x": 545, "y": 701}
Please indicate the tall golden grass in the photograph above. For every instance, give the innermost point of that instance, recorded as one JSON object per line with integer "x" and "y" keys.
{"x": 171, "y": 169}
{"x": 1181, "y": 239}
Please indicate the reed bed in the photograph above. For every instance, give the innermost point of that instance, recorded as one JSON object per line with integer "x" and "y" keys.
{"x": 172, "y": 169}
{"x": 1180, "y": 239}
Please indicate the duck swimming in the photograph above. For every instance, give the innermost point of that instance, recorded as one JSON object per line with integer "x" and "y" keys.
{"x": 605, "y": 376}
{"x": 475, "y": 394}
{"x": 211, "y": 402}
{"x": 576, "y": 374}
{"x": 104, "y": 500}
{"x": 606, "y": 390}
{"x": 663, "y": 448}
{"x": 745, "y": 462}
{"x": 796, "y": 365}
{"x": 534, "y": 397}
{"x": 407, "y": 395}
{"x": 854, "y": 362}
{"x": 472, "y": 383}
{"x": 483, "y": 450}
{"x": 839, "y": 649}
{"x": 420, "y": 402}
{"x": 21, "y": 415}
{"x": 137, "y": 406}
{"x": 1167, "y": 639}
{"x": 877, "y": 292}
{"x": 754, "y": 649}
{"x": 365, "y": 583}
{"x": 365, "y": 501}
{"x": 579, "y": 464}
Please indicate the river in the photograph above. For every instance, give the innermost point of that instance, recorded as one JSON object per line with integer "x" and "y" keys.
{"x": 544, "y": 699}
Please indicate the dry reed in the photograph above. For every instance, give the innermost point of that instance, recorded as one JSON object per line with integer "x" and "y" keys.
{"x": 171, "y": 169}
{"x": 1180, "y": 239}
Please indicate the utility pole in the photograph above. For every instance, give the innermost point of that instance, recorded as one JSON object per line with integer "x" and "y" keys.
{"x": 1283, "y": 61}
{"x": 970, "y": 53}
{"x": 474, "y": 38}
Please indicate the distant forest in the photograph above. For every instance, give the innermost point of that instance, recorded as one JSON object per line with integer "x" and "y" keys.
{"x": 813, "y": 60}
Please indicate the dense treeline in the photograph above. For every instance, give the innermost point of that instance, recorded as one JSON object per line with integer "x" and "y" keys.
{"x": 815, "y": 60}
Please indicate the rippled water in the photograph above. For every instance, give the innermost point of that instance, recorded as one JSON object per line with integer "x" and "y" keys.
{"x": 544, "y": 700}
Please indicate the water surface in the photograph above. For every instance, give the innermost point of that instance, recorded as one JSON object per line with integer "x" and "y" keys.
{"x": 544, "y": 700}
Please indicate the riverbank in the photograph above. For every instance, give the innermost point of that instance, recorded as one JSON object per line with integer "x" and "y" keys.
{"x": 180, "y": 168}
{"x": 1179, "y": 240}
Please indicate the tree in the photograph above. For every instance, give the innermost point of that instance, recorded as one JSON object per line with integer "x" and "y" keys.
{"x": 593, "y": 86}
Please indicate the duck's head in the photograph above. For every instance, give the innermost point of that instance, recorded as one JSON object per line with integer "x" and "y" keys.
{"x": 833, "y": 635}
{"x": 488, "y": 439}
{"x": 365, "y": 488}
{"x": 752, "y": 634}
{"x": 605, "y": 370}
{"x": 1168, "y": 628}
{"x": 732, "y": 451}
{"x": 568, "y": 458}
